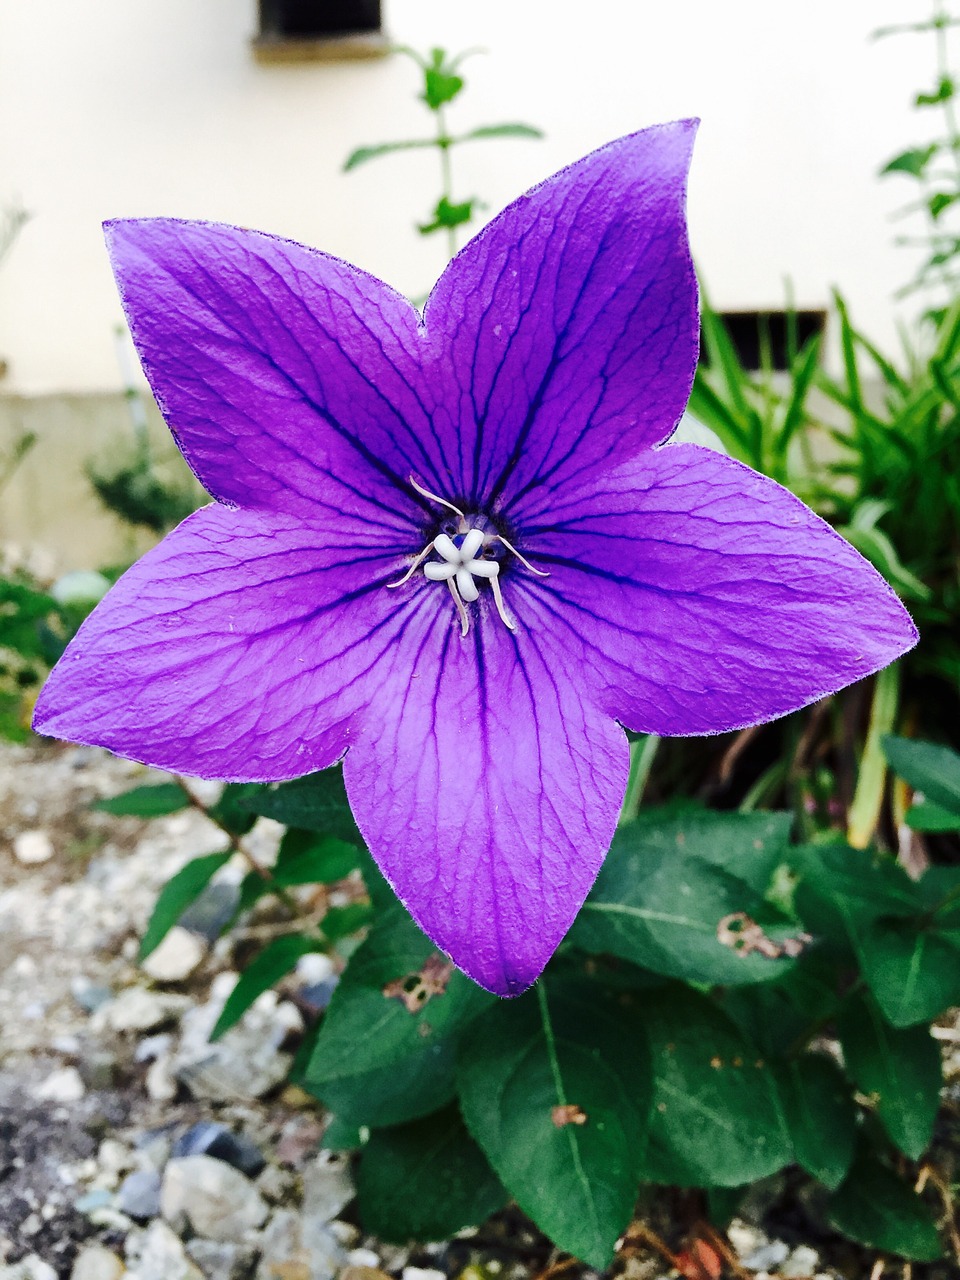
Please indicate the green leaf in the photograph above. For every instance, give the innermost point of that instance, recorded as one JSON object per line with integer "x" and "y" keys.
{"x": 940, "y": 201}
{"x": 153, "y": 801}
{"x": 913, "y": 971}
{"x": 944, "y": 91}
{"x": 554, "y": 1086}
{"x": 931, "y": 769}
{"x": 308, "y": 858}
{"x": 385, "y": 1053}
{"x": 717, "y": 1119}
{"x": 340, "y": 922}
{"x": 340, "y": 1136}
{"x": 177, "y": 894}
{"x": 440, "y": 84}
{"x": 317, "y": 802}
{"x": 821, "y": 1116}
{"x": 501, "y": 131}
{"x": 363, "y": 154}
{"x": 425, "y": 1180}
{"x": 448, "y": 214}
{"x": 231, "y": 812}
{"x": 665, "y": 888}
{"x": 274, "y": 962}
{"x": 913, "y": 161}
{"x": 864, "y": 811}
{"x": 899, "y": 1069}
{"x": 878, "y": 1209}
{"x": 931, "y": 817}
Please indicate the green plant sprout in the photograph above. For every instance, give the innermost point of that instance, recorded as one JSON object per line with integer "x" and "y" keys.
{"x": 441, "y": 84}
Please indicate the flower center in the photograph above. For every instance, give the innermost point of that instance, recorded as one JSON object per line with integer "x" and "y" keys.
{"x": 465, "y": 562}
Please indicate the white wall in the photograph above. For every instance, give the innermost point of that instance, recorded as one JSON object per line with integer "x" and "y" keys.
{"x": 134, "y": 107}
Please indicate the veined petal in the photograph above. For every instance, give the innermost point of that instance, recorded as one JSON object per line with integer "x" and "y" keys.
{"x": 290, "y": 379}
{"x": 241, "y": 648}
{"x": 698, "y": 596}
{"x": 488, "y": 789}
{"x": 565, "y": 334}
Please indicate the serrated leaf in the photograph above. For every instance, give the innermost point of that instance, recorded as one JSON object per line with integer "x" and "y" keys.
{"x": 317, "y": 802}
{"x": 362, "y": 154}
{"x": 899, "y": 1069}
{"x": 717, "y": 1118}
{"x": 878, "y": 1209}
{"x": 152, "y": 801}
{"x": 931, "y": 769}
{"x": 385, "y": 1053}
{"x": 821, "y": 1116}
{"x": 501, "y": 131}
{"x": 665, "y": 889}
{"x": 425, "y": 1180}
{"x": 274, "y": 962}
{"x": 554, "y": 1087}
{"x": 305, "y": 857}
{"x": 177, "y": 894}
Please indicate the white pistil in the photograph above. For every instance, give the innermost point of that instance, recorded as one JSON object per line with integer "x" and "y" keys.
{"x": 460, "y": 566}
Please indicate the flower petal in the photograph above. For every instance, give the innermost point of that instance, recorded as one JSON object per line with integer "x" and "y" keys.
{"x": 565, "y": 334}
{"x": 242, "y": 647}
{"x": 698, "y": 596}
{"x": 488, "y": 789}
{"x": 288, "y": 378}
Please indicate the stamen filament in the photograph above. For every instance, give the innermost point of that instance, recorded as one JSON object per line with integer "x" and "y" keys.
{"x": 501, "y": 607}
{"x": 413, "y": 568}
{"x": 436, "y": 498}
{"x": 541, "y": 573}
{"x": 461, "y": 608}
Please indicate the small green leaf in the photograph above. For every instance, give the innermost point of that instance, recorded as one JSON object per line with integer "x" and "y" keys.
{"x": 447, "y": 214}
{"x": 340, "y": 1136}
{"x": 425, "y": 1180}
{"x": 930, "y": 769}
{"x": 501, "y": 131}
{"x": 308, "y": 858}
{"x": 940, "y": 201}
{"x": 363, "y": 154}
{"x": 177, "y": 894}
{"x": 913, "y": 161}
{"x": 385, "y": 1053}
{"x": 717, "y": 1118}
{"x": 913, "y": 969}
{"x": 440, "y": 84}
{"x": 554, "y": 1086}
{"x": 274, "y": 962}
{"x": 878, "y": 1209}
{"x": 944, "y": 91}
{"x": 317, "y": 802}
{"x": 821, "y": 1116}
{"x": 899, "y": 1069}
{"x": 926, "y": 816}
{"x": 153, "y": 801}
{"x": 231, "y": 812}
{"x": 340, "y": 922}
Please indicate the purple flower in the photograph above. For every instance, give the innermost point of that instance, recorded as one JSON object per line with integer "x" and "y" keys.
{"x": 451, "y": 550}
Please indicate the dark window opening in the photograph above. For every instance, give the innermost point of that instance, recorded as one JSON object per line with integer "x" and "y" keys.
{"x": 317, "y": 19}
{"x": 763, "y": 338}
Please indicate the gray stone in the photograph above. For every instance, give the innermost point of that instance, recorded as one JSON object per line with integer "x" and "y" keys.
{"x": 63, "y": 1085}
{"x": 295, "y": 1246}
{"x": 211, "y": 1139}
{"x": 247, "y": 1061}
{"x": 160, "y": 1256}
{"x": 214, "y": 1199}
{"x": 222, "y": 1261}
{"x": 212, "y": 911}
{"x": 802, "y": 1263}
{"x": 177, "y": 956}
{"x": 136, "y": 1009}
{"x": 327, "y": 1186}
{"x": 90, "y": 995}
{"x": 139, "y": 1194}
{"x": 96, "y": 1263}
{"x": 768, "y": 1257}
{"x": 30, "y": 1268}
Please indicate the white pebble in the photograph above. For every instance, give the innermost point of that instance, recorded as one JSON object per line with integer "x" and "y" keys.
{"x": 31, "y": 847}
{"x": 63, "y": 1085}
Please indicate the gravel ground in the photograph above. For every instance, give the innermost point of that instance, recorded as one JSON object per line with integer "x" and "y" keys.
{"x": 131, "y": 1147}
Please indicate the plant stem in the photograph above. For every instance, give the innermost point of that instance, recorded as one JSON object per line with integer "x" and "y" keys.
{"x": 642, "y": 753}
{"x": 444, "y": 143}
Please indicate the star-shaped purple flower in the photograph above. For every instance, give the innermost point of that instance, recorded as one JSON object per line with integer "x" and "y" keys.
{"x": 452, "y": 552}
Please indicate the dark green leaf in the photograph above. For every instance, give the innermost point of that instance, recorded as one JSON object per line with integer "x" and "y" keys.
{"x": 913, "y": 971}
{"x": 275, "y": 961}
{"x": 665, "y": 889}
{"x": 363, "y": 154}
{"x": 231, "y": 812}
{"x": 153, "y": 801}
{"x": 820, "y": 1115}
{"x": 308, "y": 858}
{"x": 913, "y": 161}
{"x": 554, "y": 1086}
{"x": 177, "y": 894}
{"x": 340, "y": 1136}
{"x": 926, "y": 816}
{"x": 501, "y": 131}
{"x": 717, "y": 1118}
{"x": 317, "y": 802}
{"x": 425, "y": 1180}
{"x": 940, "y": 201}
{"x": 340, "y": 922}
{"x": 899, "y": 1069}
{"x": 385, "y": 1053}
{"x": 933, "y": 770}
{"x": 878, "y": 1209}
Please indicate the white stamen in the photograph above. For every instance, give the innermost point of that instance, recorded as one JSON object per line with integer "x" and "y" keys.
{"x": 446, "y": 547}
{"x": 440, "y": 572}
{"x": 541, "y": 573}
{"x": 501, "y": 607}
{"x": 410, "y": 572}
{"x": 471, "y": 544}
{"x": 466, "y": 585}
{"x": 481, "y": 568}
{"x": 461, "y": 610}
{"x": 436, "y": 498}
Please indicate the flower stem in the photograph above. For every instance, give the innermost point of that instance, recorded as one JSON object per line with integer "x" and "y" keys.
{"x": 642, "y": 753}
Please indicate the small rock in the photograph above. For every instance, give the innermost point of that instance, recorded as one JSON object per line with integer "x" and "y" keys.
{"x": 216, "y": 1200}
{"x": 161, "y": 1256}
{"x": 152, "y": 1047}
{"x": 327, "y": 1187}
{"x": 96, "y": 1263}
{"x": 90, "y": 995}
{"x": 139, "y": 1194}
{"x": 99, "y": 1198}
{"x": 422, "y": 1273}
{"x": 98, "y": 1069}
{"x": 30, "y": 1268}
{"x": 295, "y": 1248}
{"x": 136, "y": 1009}
{"x": 69, "y": 1046}
{"x": 768, "y": 1257}
{"x": 176, "y": 957}
{"x": 62, "y": 1085}
{"x": 161, "y": 1083}
{"x": 222, "y": 1261}
{"x": 364, "y": 1260}
{"x": 245, "y": 1063}
{"x": 212, "y": 911}
{"x": 746, "y": 1239}
{"x": 276, "y": 1184}
{"x": 114, "y": 1157}
{"x": 363, "y": 1273}
{"x": 314, "y": 967}
{"x": 210, "y": 1139}
{"x": 346, "y": 1234}
{"x": 31, "y": 847}
{"x": 802, "y": 1262}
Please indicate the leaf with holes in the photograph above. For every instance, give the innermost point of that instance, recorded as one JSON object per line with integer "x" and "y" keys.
{"x": 425, "y": 1180}
{"x": 554, "y": 1086}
